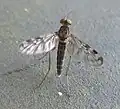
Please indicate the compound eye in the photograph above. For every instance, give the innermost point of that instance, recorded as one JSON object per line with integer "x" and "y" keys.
{"x": 62, "y": 21}
{"x": 65, "y": 22}
{"x": 69, "y": 22}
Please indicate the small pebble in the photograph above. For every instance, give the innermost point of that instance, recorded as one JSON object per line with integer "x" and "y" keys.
{"x": 26, "y": 10}
{"x": 60, "y": 93}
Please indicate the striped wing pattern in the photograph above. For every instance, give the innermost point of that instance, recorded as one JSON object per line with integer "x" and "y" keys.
{"x": 39, "y": 45}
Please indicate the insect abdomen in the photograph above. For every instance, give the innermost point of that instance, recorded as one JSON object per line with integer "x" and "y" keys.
{"x": 60, "y": 56}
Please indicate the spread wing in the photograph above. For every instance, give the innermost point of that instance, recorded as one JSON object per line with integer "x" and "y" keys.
{"x": 39, "y": 45}
{"x": 76, "y": 46}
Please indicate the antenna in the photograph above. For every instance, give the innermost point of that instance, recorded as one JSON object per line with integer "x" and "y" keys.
{"x": 66, "y": 16}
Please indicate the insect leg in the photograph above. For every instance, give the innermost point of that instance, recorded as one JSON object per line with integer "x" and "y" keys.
{"x": 67, "y": 84}
{"x": 46, "y": 73}
{"x": 42, "y": 56}
{"x": 68, "y": 65}
{"x": 26, "y": 66}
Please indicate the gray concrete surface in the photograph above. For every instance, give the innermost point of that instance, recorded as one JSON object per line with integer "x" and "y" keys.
{"x": 88, "y": 87}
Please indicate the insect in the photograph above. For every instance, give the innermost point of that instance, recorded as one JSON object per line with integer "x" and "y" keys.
{"x": 64, "y": 41}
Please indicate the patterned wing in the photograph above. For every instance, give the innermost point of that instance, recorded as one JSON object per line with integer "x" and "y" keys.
{"x": 39, "y": 45}
{"x": 76, "y": 46}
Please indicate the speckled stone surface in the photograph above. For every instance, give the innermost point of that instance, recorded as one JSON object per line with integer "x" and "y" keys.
{"x": 95, "y": 22}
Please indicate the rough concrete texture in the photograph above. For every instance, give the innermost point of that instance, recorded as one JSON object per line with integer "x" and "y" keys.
{"x": 97, "y": 22}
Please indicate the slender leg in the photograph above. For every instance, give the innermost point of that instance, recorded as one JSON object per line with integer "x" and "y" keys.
{"x": 26, "y": 66}
{"x": 46, "y": 73}
{"x": 67, "y": 69}
{"x": 43, "y": 56}
{"x": 68, "y": 65}
{"x": 64, "y": 89}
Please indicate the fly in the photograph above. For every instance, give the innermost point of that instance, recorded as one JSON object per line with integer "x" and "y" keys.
{"x": 63, "y": 40}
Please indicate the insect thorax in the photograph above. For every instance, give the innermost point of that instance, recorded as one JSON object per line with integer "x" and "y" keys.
{"x": 63, "y": 32}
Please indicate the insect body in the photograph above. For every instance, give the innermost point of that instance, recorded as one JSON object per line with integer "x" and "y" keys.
{"x": 62, "y": 39}
{"x": 63, "y": 34}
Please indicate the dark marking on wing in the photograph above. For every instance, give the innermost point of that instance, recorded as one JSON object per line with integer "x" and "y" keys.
{"x": 95, "y": 52}
{"x": 100, "y": 58}
{"x": 87, "y": 46}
